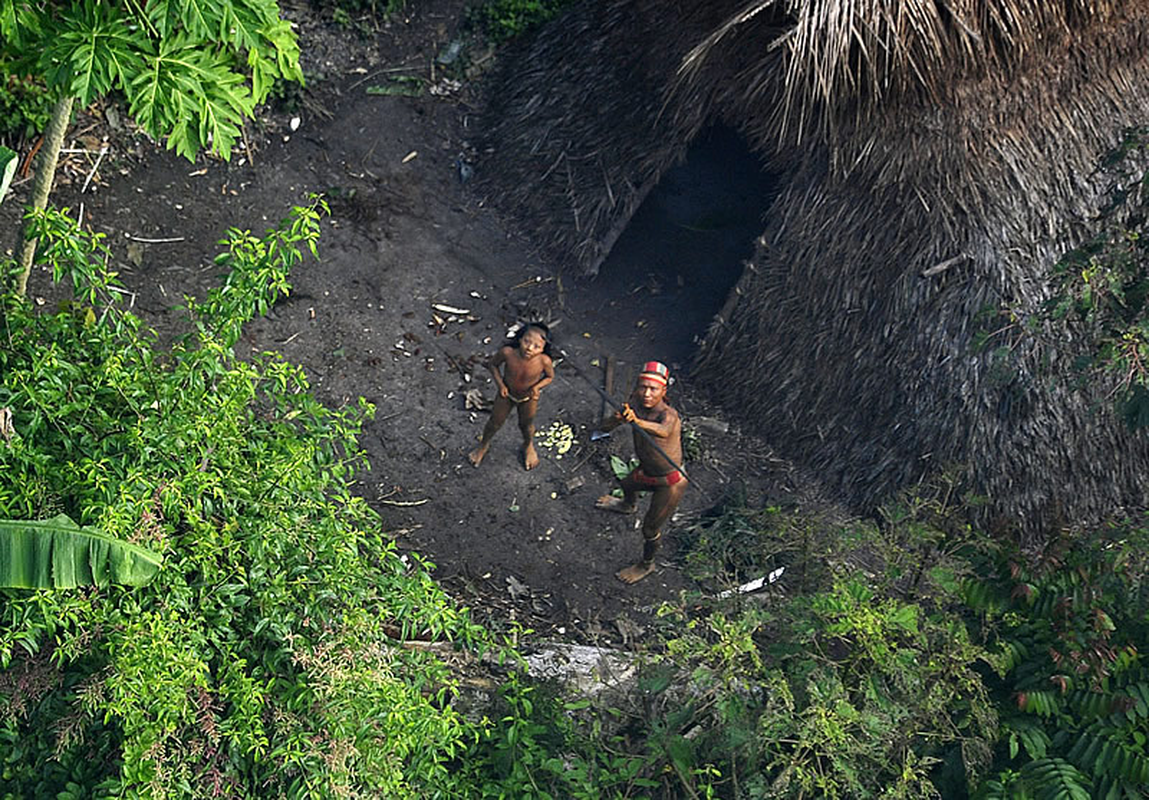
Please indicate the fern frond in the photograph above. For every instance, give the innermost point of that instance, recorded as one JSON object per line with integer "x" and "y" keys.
{"x": 1104, "y": 751}
{"x": 1089, "y": 705}
{"x": 983, "y": 596}
{"x": 1056, "y": 779}
{"x": 1035, "y": 741}
{"x": 1044, "y": 704}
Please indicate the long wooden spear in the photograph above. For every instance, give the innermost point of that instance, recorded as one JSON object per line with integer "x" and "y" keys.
{"x": 650, "y": 439}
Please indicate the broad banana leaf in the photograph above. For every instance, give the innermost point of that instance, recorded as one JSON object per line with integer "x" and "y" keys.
{"x": 8, "y": 161}
{"x": 59, "y": 554}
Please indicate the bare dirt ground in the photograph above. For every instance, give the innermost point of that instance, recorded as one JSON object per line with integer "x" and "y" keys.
{"x": 405, "y": 233}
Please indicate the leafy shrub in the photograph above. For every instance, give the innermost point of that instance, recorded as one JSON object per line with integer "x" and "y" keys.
{"x": 1101, "y": 289}
{"x": 263, "y": 660}
{"x": 343, "y": 10}
{"x": 24, "y": 105}
{"x": 500, "y": 20}
{"x": 1072, "y": 688}
{"x": 544, "y": 746}
{"x": 839, "y": 694}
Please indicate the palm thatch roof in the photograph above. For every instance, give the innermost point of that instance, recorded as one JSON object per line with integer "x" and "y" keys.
{"x": 937, "y": 158}
{"x": 574, "y": 129}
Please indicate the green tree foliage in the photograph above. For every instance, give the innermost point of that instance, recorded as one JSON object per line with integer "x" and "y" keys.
{"x": 838, "y": 694}
{"x": 1073, "y": 687}
{"x": 183, "y": 66}
{"x": 265, "y": 658}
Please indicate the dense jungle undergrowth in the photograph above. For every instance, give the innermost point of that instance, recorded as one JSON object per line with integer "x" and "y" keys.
{"x": 285, "y": 648}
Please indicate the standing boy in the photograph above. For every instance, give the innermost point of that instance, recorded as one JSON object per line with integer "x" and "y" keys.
{"x": 527, "y": 369}
{"x": 649, "y": 411}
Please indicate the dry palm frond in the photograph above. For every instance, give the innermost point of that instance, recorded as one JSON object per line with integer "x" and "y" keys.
{"x": 844, "y": 60}
{"x": 548, "y": 157}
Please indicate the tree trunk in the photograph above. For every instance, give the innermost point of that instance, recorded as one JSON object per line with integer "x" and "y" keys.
{"x": 42, "y": 183}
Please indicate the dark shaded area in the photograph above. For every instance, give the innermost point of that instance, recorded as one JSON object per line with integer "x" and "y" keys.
{"x": 686, "y": 245}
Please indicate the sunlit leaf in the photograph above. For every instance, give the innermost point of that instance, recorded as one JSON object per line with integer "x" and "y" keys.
{"x": 8, "y": 162}
{"x": 59, "y": 554}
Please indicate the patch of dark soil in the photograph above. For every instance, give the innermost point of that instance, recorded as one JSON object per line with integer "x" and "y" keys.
{"x": 404, "y": 234}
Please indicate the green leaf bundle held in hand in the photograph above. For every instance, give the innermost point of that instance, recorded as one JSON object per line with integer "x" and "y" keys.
{"x": 262, "y": 659}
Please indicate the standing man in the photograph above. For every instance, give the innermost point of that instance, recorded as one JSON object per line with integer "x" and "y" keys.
{"x": 647, "y": 409}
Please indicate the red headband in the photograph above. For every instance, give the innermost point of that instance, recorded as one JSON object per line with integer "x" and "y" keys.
{"x": 655, "y": 371}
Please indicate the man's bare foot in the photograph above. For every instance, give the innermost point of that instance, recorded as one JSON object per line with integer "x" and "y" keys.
{"x": 635, "y": 572}
{"x": 611, "y": 503}
{"x": 530, "y": 457}
{"x": 476, "y": 456}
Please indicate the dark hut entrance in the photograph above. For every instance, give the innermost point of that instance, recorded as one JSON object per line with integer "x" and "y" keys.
{"x": 671, "y": 270}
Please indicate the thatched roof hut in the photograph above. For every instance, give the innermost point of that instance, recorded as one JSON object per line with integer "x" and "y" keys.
{"x": 936, "y": 159}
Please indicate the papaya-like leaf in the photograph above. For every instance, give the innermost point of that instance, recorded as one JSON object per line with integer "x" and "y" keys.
{"x": 19, "y": 24}
{"x": 93, "y": 52}
{"x": 192, "y": 96}
{"x": 59, "y": 554}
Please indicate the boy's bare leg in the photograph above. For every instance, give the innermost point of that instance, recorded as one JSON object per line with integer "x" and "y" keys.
{"x": 499, "y": 413}
{"x": 527, "y": 411}
{"x": 662, "y": 505}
